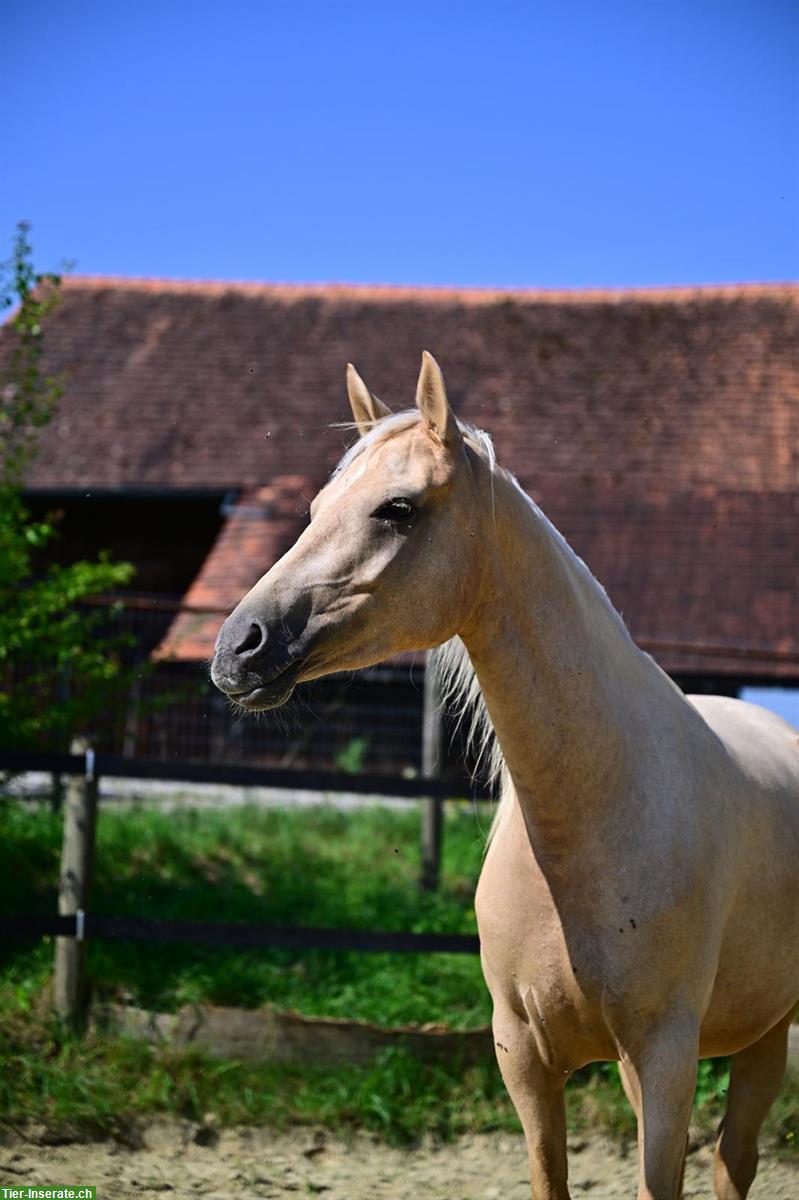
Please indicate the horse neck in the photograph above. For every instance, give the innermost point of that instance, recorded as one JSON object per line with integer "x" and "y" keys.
{"x": 557, "y": 670}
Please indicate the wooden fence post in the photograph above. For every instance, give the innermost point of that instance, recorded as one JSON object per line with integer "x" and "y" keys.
{"x": 130, "y": 735}
{"x": 432, "y": 756}
{"x": 77, "y": 863}
{"x": 56, "y": 792}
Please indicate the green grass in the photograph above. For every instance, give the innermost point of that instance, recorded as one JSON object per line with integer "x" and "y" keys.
{"x": 99, "y": 1085}
{"x": 319, "y": 867}
{"x": 310, "y": 867}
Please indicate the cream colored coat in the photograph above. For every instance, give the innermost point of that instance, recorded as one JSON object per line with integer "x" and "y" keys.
{"x": 639, "y": 899}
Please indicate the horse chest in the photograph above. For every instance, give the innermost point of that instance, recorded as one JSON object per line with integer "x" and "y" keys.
{"x": 554, "y": 986}
{"x": 550, "y": 972}
{"x": 575, "y": 951}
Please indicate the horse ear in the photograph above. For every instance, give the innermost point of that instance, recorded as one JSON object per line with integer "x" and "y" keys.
{"x": 431, "y": 400}
{"x": 366, "y": 408}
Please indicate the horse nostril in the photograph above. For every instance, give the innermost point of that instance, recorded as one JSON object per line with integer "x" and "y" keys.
{"x": 253, "y": 640}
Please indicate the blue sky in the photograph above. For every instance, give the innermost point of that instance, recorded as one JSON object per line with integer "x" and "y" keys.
{"x": 552, "y": 144}
{"x": 784, "y": 701}
{"x": 506, "y": 144}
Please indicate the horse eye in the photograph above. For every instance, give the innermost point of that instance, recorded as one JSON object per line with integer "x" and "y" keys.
{"x": 399, "y": 509}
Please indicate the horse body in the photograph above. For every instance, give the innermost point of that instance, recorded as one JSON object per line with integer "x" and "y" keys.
{"x": 640, "y": 896}
{"x": 757, "y": 974}
{"x": 662, "y": 904}
{"x": 639, "y": 899}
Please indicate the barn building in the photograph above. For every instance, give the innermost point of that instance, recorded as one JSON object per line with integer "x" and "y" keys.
{"x": 658, "y": 429}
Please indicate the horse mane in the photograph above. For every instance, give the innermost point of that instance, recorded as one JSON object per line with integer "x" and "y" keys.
{"x": 461, "y": 695}
{"x": 458, "y": 685}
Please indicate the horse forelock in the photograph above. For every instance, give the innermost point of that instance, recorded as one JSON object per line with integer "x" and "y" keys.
{"x": 385, "y": 428}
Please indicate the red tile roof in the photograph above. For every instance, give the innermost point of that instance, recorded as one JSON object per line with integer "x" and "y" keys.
{"x": 658, "y": 428}
{"x": 259, "y": 529}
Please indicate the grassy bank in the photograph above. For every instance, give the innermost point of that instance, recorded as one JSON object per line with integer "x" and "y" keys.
{"x": 324, "y": 867}
{"x": 109, "y": 1086}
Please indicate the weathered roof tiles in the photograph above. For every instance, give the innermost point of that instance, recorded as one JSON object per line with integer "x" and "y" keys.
{"x": 658, "y": 428}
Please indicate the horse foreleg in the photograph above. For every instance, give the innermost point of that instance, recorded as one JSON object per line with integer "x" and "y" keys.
{"x": 660, "y": 1070}
{"x": 630, "y": 1091}
{"x": 538, "y": 1096}
{"x": 755, "y": 1077}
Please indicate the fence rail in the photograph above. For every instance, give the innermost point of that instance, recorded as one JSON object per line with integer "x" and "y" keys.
{"x": 96, "y": 764}
{"x": 86, "y": 926}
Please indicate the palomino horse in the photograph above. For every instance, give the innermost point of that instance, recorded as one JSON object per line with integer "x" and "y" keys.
{"x": 639, "y": 900}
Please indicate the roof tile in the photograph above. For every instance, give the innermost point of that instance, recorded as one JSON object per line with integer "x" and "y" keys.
{"x": 658, "y": 428}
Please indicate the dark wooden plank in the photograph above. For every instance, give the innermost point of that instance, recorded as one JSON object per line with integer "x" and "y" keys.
{"x": 14, "y": 927}
{"x": 291, "y": 937}
{"x": 242, "y": 776}
{"x": 219, "y": 933}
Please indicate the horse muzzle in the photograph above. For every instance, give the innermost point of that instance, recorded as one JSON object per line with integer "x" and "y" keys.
{"x": 253, "y": 669}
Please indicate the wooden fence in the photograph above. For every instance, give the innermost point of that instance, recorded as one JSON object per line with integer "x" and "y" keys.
{"x": 75, "y": 923}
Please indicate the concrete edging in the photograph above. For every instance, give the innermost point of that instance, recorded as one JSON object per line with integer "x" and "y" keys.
{"x": 286, "y": 1037}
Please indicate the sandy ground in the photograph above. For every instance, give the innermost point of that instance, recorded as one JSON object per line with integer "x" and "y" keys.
{"x": 256, "y": 1163}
